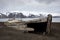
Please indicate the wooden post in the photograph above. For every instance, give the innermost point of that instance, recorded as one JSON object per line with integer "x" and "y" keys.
{"x": 49, "y": 20}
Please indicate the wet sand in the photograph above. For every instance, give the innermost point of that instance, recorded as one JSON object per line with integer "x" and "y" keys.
{"x": 8, "y": 33}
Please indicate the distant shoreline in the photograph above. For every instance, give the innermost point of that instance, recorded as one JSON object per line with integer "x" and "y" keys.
{"x": 55, "y": 22}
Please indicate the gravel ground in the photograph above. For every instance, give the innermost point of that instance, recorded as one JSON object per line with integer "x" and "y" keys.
{"x": 7, "y": 33}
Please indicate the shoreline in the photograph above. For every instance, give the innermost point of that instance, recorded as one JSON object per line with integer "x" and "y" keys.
{"x": 55, "y": 22}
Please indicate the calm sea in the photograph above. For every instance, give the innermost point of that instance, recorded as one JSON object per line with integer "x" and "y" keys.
{"x": 27, "y": 19}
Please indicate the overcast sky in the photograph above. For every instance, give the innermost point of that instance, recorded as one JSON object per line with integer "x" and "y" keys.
{"x": 33, "y": 6}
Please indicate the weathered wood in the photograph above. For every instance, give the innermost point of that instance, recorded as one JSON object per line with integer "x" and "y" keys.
{"x": 49, "y": 20}
{"x": 45, "y": 21}
{"x": 37, "y": 20}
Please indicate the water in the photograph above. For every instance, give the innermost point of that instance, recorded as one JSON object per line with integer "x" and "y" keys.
{"x": 23, "y": 19}
{"x": 27, "y": 19}
{"x": 55, "y": 19}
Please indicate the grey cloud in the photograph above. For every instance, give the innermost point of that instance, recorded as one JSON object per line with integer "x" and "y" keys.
{"x": 20, "y": 5}
{"x": 47, "y": 1}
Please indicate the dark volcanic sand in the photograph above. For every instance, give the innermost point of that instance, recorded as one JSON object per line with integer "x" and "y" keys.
{"x": 7, "y": 33}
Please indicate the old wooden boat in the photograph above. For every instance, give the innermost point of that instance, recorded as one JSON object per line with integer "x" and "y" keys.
{"x": 38, "y": 25}
{"x": 41, "y": 25}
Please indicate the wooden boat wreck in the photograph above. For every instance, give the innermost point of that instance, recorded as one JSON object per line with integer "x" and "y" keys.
{"x": 39, "y": 25}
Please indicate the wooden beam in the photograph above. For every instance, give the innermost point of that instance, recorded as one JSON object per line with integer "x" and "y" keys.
{"x": 49, "y": 20}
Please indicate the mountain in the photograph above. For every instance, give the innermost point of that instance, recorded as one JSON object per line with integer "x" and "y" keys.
{"x": 16, "y": 15}
{"x": 31, "y": 16}
{"x": 11, "y": 15}
{"x": 35, "y": 16}
{"x": 56, "y": 16}
{"x": 20, "y": 15}
{"x": 3, "y": 15}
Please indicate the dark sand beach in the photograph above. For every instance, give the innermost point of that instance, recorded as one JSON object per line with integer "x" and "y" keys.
{"x": 8, "y": 33}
